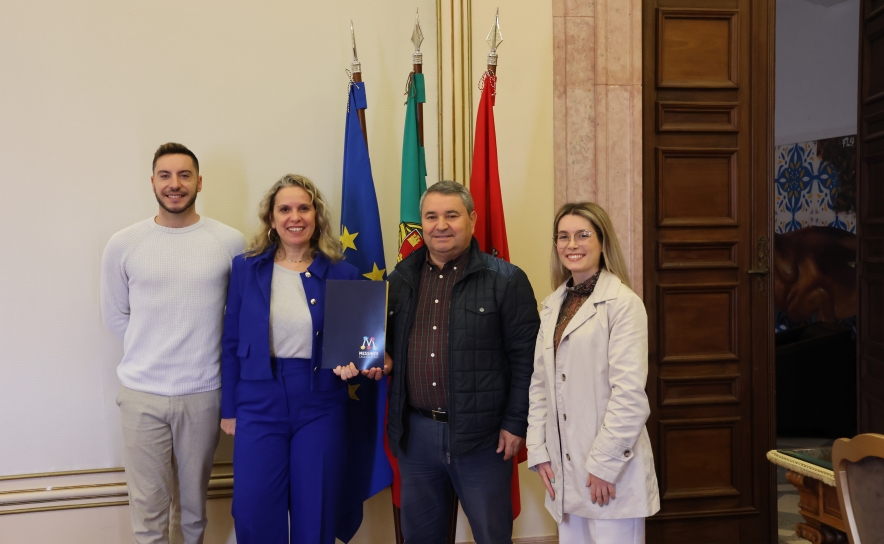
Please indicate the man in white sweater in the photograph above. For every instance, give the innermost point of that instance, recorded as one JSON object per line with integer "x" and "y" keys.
{"x": 163, "y": 290}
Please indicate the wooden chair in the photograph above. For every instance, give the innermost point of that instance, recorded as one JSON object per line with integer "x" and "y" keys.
{"x": 858, "y": 464}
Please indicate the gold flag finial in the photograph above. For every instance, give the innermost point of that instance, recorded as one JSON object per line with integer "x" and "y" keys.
{"x": 494, "y": 39}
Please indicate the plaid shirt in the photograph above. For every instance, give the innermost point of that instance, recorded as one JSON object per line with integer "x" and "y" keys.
{"x": 428, "y": 343}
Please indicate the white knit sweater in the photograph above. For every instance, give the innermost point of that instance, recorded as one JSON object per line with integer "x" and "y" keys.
{"x": 163, "y": 291}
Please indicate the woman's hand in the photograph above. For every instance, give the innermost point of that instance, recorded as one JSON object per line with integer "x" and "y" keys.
{"x": 229, "y": 426}
{"x": 546, "y": 474}
{"x": 346, "y": 372}
{"x": 600, "y": 491}
{"x": 377, "y": 373}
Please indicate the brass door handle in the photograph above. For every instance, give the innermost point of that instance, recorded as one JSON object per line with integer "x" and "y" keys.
{"x": 762, "y": 269}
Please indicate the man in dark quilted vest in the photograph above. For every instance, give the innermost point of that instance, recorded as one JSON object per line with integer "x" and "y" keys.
{"x": 461, "y": 330}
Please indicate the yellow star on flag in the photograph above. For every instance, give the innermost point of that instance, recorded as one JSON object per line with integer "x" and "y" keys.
{"x": 353, "y": 389}
{"x": 376, "y": 274}
{"x": 347, "y": 239}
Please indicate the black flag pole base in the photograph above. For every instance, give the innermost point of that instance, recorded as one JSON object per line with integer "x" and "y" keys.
{"x": 452, "y": 522}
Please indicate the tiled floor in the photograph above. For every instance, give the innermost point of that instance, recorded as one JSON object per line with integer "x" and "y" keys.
{"x": 787, "y": 495}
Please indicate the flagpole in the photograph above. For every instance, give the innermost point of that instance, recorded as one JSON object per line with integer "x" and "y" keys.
{"x": 418, "y": 67}
{"x": 485, "y": 187}
{"x": 356, "y": 74}
{"x": 367, "y": 471}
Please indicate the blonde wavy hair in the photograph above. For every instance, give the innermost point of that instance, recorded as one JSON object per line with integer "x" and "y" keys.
{"x": 611, "y": 257}
{"x": 323, "y": 241}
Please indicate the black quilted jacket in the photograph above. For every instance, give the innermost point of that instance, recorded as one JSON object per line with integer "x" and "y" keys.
{"x": 491, "y": 335}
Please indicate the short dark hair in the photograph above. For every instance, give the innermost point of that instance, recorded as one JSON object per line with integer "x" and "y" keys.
{"x": 448, "y": 188}
{"x": 172, "y": 148}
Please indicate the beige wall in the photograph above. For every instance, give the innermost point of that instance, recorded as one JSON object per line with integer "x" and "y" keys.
{"x": 91, "y": 88}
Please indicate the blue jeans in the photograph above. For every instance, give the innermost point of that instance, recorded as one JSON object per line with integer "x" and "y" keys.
{"x": 289, "y": 448}
{"x": 481, "y": 480}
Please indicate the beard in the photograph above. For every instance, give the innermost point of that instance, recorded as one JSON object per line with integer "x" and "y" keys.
{"x": 187, "y": 205}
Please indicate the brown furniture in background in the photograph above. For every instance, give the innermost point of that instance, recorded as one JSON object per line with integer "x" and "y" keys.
{"x": 858, "y": 465}
{"x": 810, "y": 471}
{"x": 818, "y": 506}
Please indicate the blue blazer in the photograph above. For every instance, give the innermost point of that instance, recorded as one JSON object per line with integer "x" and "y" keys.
{"x": 245, "y": 345}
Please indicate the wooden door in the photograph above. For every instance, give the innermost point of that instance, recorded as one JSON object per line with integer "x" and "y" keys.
{"x": 870, "y": 218}
{"x": 708, "y": 223}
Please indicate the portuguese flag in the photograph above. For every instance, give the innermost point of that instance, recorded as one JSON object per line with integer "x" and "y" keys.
{"x": 414, "y": 172}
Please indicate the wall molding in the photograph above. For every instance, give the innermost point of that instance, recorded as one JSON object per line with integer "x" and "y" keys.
{"x": 554, "y": 539}
{"x": 454, "y": 65}
{"x": 93, "y": 488}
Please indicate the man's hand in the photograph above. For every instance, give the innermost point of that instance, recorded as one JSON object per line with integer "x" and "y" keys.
{"x": 509, "y": 444}
{"x": 346, "y": 372}
{"x": 546, "y": 474}
{"x": 600, "y": 491}
{"x": 378, "y": 373}
{"x": 229, "y": 426}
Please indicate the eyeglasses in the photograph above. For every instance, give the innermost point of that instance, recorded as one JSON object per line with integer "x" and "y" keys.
{"x": 581, "y": 238}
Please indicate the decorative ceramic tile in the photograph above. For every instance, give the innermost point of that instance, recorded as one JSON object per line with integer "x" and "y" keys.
{"x": 806, "y": 190}
{"x": 815, "y": 186}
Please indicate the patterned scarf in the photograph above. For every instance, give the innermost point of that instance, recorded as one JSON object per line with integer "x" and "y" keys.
{"x": 577, "y": 295}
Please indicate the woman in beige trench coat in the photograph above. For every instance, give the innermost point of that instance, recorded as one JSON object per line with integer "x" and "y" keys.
{"x": 588, "y": 407}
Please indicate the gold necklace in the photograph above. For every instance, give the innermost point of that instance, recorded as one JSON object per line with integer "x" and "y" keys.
{"x": 286, "y": 258}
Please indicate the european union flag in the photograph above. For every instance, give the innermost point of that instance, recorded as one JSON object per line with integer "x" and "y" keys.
{"x": 367, "y": 470}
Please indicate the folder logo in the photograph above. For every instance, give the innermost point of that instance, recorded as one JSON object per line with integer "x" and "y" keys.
{"x": 368, "y": 349}
{"x": 368, "y": 343}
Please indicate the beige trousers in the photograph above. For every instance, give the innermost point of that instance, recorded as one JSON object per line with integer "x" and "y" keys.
{"x": 169, "y": 443}
{"x": 578, "y": 530}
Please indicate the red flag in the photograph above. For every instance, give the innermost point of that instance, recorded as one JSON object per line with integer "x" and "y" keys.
{"x": 490, "y": 229}
{"x": 485, "y": 178}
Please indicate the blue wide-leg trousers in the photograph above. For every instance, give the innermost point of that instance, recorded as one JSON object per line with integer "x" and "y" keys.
{"x": 289, "y": 451}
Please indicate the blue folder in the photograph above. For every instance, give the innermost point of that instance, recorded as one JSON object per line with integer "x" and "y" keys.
{"x": 355, "y": 323}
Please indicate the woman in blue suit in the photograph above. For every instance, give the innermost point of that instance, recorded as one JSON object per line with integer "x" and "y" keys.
{"x": 286, "y": 412}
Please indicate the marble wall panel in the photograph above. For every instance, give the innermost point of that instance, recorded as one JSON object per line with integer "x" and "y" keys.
{"x": 558, "y": 8}
{"x": 579, "y": 8}
{"x": 597, "y": 113}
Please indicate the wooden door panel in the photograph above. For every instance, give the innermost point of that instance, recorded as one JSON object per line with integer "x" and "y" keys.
{"x": 707, "y": 195}
{"x": 698, "y": 390}
{"x": 700, "y": 458}
{"x": 870, "y": 218}
{"x": 707, "y": 531}
{"x": 872, "y": 413}
{"x": 697, "y": 186}
{"x": 697, "y": 323}
{"x": 685, "y": 254}
{"x": 872, "y": 168}
{"x": 697, "y": 48}
{"x": 697, "y": 117}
